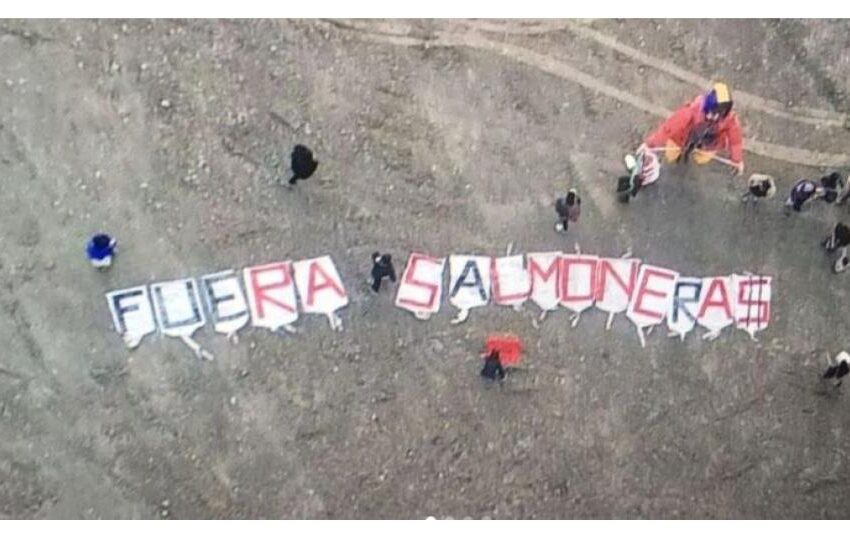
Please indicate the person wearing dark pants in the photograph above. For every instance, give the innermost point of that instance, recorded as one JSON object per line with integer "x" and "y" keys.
{"x": 844, "y": 195}
{"x": 838, "y": 240}
{"x": 568, "y": 209}
{"x": 382, "y": 267}
{"x": 839, "y": 369}
{"x": 759, "y": 186}
{"x": 493, "y": 369}
{"x": 802, "y": 192}
{"x": 832, "y": 185}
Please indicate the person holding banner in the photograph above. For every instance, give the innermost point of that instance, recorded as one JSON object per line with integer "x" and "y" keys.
{"x": 701, "y": 128}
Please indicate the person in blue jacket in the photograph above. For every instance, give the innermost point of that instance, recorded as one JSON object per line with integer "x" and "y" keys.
{"x": 100, "y": 250}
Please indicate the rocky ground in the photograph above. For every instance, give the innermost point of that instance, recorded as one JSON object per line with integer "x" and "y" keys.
{"x": 442, "y": 136}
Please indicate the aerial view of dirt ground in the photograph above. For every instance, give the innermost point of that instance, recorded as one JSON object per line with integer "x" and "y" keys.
{"x": 432, "y": 136}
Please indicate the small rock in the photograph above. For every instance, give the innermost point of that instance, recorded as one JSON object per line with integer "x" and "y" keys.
{"x": 165, "y": 503}
{"x": 165, "y": 104}
{"x": 233, "y": 400}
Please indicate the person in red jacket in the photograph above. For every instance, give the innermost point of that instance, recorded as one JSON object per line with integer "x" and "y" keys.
{"x": 707, "y": 123}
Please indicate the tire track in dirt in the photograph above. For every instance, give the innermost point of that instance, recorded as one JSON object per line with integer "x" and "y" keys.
{"x": 801, "y": 114}
{"x": 581, "y": 28}
{"x": 473, "y": 40}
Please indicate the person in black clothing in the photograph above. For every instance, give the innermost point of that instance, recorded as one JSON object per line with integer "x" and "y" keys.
{"x": 759, "y": 186}
{"x": 845, "y": 193}
{"x": 839, "y": 239}
{"x": 832, "y": 185}
{"x": 493, "y": 369}
{"x": 839, "y": 369}
{"x": 382, "y": 266}
{"x": 568, "y": 209}
{"x": 303, "y": 164}
{"x": 802, "y": 191}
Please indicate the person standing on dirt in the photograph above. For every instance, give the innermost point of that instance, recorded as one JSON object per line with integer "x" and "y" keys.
{"x": 100, "y": 249}
{"x": 568, "y": 209}
{"x": 706, "y": 123}
{"x": 832, "y": 185}
{"x": 303, "y": 164}
{"x": 643, "y": 169}
{"x": 760, "y": 186}
{"x": 493, "y": 369}
{"x": 382, "y": 267}
{"x": 839, "y": 239}
{"x": 844, "y": 195}
{"x": 802, "y": 192}
{"x": 839, "y": 369}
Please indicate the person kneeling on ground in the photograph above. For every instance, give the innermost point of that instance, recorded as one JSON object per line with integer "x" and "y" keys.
{"x": 568, "y": 209}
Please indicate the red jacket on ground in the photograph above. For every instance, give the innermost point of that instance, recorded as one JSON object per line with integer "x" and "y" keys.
{"x": 683, "y": 120}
